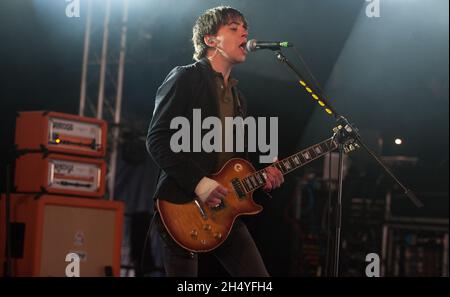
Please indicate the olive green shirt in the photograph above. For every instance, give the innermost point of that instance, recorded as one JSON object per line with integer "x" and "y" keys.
{"x": 226, "y": 109}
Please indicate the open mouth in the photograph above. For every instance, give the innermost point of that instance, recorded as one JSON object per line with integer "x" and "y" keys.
{"x": 243, "y": 45}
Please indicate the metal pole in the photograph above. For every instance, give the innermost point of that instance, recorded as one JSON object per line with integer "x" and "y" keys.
{"x": 101, "y": 88}
{"x": 385, "y": 238}
{"x": 338, "y": 209}
{"x": 117, "y": 113}
{"x": 87, "y": 38}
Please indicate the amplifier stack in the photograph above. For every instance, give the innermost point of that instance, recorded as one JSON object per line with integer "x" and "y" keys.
{"x": 55, "y": 154}
{"x": 60, "y": 161}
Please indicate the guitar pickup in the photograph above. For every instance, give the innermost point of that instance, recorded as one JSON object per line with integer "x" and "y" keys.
{"x": 238, "y": 188}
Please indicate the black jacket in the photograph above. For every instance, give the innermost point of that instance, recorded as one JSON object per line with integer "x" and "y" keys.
{"x": 184, "y": 89}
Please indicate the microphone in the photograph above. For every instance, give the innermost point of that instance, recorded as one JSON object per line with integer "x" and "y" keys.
{"x": 254, "y": 45}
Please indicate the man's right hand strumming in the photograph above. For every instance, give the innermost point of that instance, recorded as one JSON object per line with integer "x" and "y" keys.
{"x": 210, "y": 192}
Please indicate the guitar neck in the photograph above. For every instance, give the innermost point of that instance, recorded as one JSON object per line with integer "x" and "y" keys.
{"x": 297, "y": 160}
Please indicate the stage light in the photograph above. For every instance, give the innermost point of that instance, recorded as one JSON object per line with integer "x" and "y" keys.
{"x": 398, "y": 141}
{"x": 57, "y": 140}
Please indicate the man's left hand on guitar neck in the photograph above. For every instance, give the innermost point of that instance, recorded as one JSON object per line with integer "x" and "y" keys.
{"x": 274, "y": 179}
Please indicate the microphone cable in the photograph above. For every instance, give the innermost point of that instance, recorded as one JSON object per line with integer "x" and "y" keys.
{"x": 309, "y": 72}
{"x": 329, "y": 204}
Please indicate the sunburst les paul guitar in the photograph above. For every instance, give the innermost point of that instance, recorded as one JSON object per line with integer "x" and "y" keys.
{"x": 199, "y": 228}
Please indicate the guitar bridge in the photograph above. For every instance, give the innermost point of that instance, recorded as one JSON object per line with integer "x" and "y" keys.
{"x": 238, "y": 188}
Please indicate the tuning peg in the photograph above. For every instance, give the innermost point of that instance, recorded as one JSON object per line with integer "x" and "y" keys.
{"x": 337, "y": 128}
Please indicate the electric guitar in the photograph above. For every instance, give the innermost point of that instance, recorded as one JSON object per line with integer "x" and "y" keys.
{"x": 200, "y": 228}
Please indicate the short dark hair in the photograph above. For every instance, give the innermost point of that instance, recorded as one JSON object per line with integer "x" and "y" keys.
{"x": 209, "y": 23}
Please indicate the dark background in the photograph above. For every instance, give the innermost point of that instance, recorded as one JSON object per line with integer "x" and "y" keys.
{"x": 388, "y": 75}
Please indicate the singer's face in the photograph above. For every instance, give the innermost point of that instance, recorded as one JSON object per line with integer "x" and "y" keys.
{"x": 231, "y": 41}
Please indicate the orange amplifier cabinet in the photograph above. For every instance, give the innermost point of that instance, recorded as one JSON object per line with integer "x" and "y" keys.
{"x": 61, "y": 133}
{"x": 60, "y": 174}
{"x": 47, "y": 229}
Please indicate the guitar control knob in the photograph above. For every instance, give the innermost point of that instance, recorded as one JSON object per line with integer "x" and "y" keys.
{"x": 207, "y": 227}
{"x": 194, "y": 234}
{"x": 203, "y": 241}
{"x": 218, "y": 235}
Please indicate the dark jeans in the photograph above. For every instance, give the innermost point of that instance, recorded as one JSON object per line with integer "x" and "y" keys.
{"x": 238, "y": 254}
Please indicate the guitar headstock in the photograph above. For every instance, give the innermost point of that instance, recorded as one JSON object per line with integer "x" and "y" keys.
{"x": 345, "y": 135}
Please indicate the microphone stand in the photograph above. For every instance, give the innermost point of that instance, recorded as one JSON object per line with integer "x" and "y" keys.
{"x": 352, "y": 132}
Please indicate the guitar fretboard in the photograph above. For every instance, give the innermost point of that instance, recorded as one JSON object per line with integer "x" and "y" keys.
{"x": 257, "y": 179}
